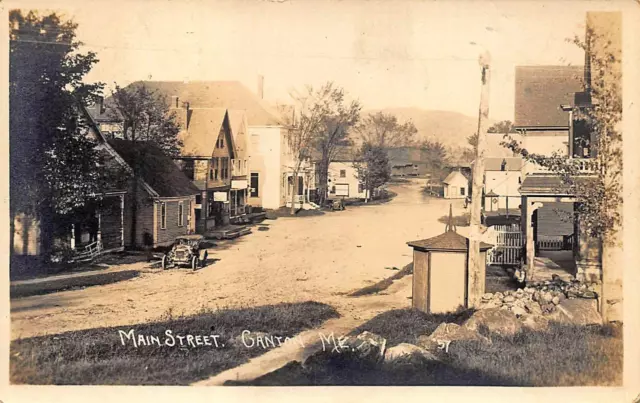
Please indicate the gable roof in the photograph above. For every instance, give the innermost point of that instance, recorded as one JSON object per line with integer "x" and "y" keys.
{"x": 200, "y": 134}
{"x": 236, "y": 120}
{"x": 449, "y": 241}
{"x": 217, "y": 94}
{"x": 156, "y": 168}
{"x": 495, "y": 164}
{"x": 540, "y": 90}
{"x": 453, "y": 176}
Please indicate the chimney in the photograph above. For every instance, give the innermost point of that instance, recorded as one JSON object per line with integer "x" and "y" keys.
{"x": 100, "y": 104}
{"x": 261, "y": 87}
{"x": 174, "y": 101}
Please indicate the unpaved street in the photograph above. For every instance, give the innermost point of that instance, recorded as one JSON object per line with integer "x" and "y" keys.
{"x": 298, "y": 259}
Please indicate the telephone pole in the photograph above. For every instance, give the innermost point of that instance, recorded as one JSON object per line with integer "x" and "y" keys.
{"x": 477, "y": 273}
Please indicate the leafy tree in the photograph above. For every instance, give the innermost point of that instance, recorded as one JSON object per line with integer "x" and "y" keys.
{"x": 504, "y": 127}
{"x": 373, "y": 168}
{"x": 598, "y": 196}
{"x": 53, "y": 164}
{"x": 473, "y": 141}
{"x": 333, "y": 132}
{"x": 145, "y": 115}
{"x": 384, "y": 130}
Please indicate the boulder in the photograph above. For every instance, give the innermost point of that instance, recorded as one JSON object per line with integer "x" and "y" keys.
{"x": 509, "y": 298}
{"x": 533, "y": 307}
{"x": 407, "y": 355}
{"x": 535, "y": 322}
{"x": 518, "y": 311}
{"x": 555, "y": 300}
{"x": 365, "y": 350}
{"x": 500, "y": 321}
{"x": 487, "y": 296}
{"x": 579, "y": 311}
{"x": 454, "y": 332}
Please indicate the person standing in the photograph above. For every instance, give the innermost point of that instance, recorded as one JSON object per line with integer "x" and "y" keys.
{"x": 148, "y": 244}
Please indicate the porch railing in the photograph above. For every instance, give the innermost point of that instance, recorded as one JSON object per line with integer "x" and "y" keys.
{"x": 583, "y": 166}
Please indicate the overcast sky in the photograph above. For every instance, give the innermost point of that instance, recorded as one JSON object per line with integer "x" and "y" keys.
{"x": 387, "y": 54}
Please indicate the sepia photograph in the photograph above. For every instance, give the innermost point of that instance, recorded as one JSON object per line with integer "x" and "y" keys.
{"x": 316, "y": 193}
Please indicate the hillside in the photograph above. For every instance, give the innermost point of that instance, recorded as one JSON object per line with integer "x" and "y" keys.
{"x": 450, "y": 128}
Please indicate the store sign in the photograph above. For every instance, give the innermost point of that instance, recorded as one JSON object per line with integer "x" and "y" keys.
{"x": 220, "y": 196}
{"x": 239, "y": 184}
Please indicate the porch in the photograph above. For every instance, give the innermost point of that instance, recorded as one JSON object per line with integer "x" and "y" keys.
{"x": 555, "y": 243}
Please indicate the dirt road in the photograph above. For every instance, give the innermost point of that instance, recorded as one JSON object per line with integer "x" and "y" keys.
{"x": 297, "y": 259}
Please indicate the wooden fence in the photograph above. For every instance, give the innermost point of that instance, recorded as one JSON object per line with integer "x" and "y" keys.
{"x": 508, "y": 244}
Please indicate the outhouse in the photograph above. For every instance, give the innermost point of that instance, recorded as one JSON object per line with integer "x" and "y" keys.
{"x": 440, "y": 270}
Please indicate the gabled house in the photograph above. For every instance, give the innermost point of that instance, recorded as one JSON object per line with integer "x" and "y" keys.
{"x": 502, "y": 179}
{"x": 160, "y": 201}
{"x": 342, "y": 178}
{"x": 546, "y": 97}
{"x": 240, "y": 165}
{"x": 456, "y": 186}
{"x": 270, "y": 160}
{"x": 97, "y": 228}
{"x": 207, "y": 157}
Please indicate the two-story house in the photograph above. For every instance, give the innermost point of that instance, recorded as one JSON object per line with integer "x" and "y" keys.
{"x": 206, "y": 158}
{"x": 502, "y": 180}
{"x": 545, "y": 100}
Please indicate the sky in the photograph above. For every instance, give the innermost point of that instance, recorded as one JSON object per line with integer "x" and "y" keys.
{"x": 402, "y": 53}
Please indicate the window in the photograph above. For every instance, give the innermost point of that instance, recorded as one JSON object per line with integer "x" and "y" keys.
{"x": 343, "y": 173}
{"x": 254, "y": 184}
{"x": 519, "y": 180}
{"x": 215, "y": 171}
{"x": 333, "y": 189}
{"x": 198, "y": 199}
{"x": 461, "y": 191}
{"x": 163, "y": 215}
{"x": 188, "y": 168}
{"x": 180, "y": 214}
{"x": 360, "y": 188}
{"x": 224, "y": 169}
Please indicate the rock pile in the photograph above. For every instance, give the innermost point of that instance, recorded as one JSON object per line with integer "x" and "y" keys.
{"x": 539, "y": 297}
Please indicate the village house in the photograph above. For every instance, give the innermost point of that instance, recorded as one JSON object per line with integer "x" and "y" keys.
{"x": 554, "y": 237}
{"x": 161, "y": 201}
{"x": 342, "y": 178}
{"x": 208, "y": 157}
{"x": 502, "y": 179}
{"x": 269, "y": 162}
{"x": 97, "y": 228}
{"x": 408, "y": 161}
{"x": 456, "y": 186}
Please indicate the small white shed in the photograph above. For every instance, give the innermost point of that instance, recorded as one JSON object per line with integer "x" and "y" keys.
{"x": 456, "y": 186}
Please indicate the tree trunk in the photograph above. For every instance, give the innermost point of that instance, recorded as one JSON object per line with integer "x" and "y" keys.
{"x": 294, "y": 190}
{"x": 323, "y": 185}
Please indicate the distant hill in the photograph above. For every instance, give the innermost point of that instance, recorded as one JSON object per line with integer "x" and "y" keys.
{"x": 450, "y": 128}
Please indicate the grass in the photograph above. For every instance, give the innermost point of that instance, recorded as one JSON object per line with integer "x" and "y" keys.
{"x": 565, "y": 355}
{"x": 54, "y": 284}
{"x": 97, "y": 356}
{"x": 383, "y": 284}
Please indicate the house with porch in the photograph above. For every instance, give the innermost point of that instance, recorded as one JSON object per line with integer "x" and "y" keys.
{"x": 98, "y": 227}
{"x": 160, "y": 201}
{"x": 546, "y": 97}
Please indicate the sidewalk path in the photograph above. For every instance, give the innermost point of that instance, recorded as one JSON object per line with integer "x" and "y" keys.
{"x": 366, "y": 308}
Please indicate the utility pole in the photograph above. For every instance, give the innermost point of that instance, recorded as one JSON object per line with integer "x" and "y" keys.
{"x": 477, "y": 273}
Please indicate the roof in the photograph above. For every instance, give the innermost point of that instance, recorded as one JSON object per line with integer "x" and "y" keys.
{"x": 540, "y": 90}
{"x": 491, "y": 194}
{"x": 452, "y": 176}
{"x": 218, "y": 94}
{"x": 341, "y": 154}
{"x": 449, "y": 241}
{"x": 200, "y": 137}
{"x": 156, "y": 168}
{"x": 495, "y": 164}
{"x": 236, "y": 119}
{"x": 542, "y": 184}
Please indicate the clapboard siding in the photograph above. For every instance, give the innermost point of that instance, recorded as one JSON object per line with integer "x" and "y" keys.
{"x": 110, "y": 223}
{"x": 172, "y": 230}
{"x": 553, "y": 223}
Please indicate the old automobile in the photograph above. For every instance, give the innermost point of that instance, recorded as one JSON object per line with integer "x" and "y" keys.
{"x": 186, "y": 251}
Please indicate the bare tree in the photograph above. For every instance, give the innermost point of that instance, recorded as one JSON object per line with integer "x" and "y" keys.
{"x": 303, "y": 127}
{"x": 384, "y": 130}
{"x": 334, "y": 131}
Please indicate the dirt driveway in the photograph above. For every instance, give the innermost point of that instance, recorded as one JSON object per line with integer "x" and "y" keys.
{"x": 315, "y": 258}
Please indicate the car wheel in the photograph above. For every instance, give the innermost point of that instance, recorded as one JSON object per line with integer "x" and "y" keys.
{"x": 165, "y": 262}
{"x": 194, "y": 263}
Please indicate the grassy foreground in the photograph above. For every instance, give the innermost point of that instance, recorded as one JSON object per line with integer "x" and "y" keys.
{"x": 98, "y": 356}
{"x": 565, "y": 355}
